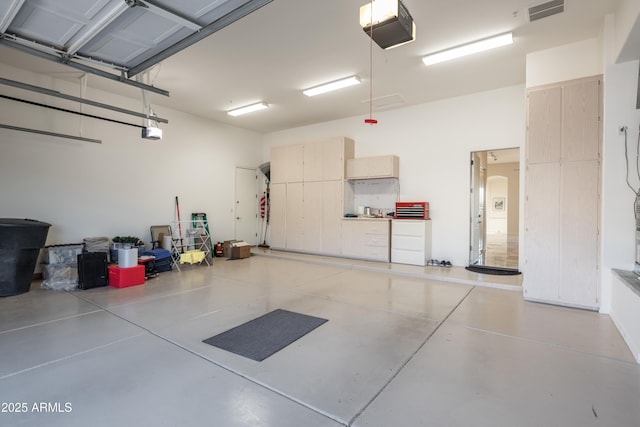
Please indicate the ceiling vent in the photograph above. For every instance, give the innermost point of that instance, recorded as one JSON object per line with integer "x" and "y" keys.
{"x": 544, "y": 10}
{"x": 385, "y": 101}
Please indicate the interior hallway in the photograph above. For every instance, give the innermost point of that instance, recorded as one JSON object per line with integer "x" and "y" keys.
{"x": 502, "y": 250}
{"x": 404, "y": 346}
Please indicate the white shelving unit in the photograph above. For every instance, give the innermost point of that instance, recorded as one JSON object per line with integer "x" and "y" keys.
{"x": 188, "y": 236}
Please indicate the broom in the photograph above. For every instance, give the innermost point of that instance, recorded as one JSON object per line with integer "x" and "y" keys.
{"x": 267, "y": 211}
{"x": 179, "y": 225}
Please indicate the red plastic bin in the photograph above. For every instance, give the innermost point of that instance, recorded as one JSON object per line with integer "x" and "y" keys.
{"x": 125, "y": 277}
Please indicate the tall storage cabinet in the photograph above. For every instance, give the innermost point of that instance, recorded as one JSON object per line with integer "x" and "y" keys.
{"x": 307, "y": 195}
{"x": 286, "y": 163}
{"x": 562, "y": 193}
{"x": 277, "y": 223}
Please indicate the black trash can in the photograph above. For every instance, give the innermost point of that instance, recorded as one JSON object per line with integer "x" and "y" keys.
{"x": 20, "y": 244}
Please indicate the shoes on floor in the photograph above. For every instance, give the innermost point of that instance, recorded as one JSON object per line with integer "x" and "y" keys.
{"x": 436, "y": 263}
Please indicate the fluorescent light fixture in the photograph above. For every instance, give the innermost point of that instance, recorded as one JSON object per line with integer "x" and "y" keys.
{"x": 331, "y": 86}
{"x": 469, "y": 49}
{"x": 248, "y": 109}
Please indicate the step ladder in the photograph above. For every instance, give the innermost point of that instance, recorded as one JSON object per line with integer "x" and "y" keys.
{"x": 200, "y": 218}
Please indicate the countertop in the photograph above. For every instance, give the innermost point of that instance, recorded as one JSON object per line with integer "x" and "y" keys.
{"x": 367, "y": 218}
{"x": 630, "y": 279}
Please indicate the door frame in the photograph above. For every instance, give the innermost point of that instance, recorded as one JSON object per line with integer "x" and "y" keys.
{"x": 253, "y": 195}
{"x": 483, "y": 266}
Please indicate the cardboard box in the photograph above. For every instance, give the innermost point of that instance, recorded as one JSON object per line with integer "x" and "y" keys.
{"x": 125, "y": 277}
{"x": 226, "y": 247}
{"x": 240, "y": 250}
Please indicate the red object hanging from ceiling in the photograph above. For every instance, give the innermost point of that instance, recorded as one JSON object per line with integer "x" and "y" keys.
{"x": 371, "y": 120}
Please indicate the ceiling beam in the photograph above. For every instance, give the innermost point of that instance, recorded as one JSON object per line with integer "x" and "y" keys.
{"x": 57, "y": 94}
{"x": 44, "y": 132}
{"x": 240, "y": 12}
{"x": 66, "y": 110}
{"x": 14, "y": 43}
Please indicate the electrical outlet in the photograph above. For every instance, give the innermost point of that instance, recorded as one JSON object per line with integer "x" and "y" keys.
{"x": 622, "y": 130}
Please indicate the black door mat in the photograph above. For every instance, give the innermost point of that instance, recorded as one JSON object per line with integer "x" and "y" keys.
{"x": 493, "y": 270}
{"x": 259, "y": 338}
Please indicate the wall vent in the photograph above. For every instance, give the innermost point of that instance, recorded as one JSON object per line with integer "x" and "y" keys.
{"x": 546, "y": 9}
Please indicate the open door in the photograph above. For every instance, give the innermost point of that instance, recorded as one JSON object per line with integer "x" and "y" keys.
{"x": 477, "y": 220}
{"x": 494, "y": 213}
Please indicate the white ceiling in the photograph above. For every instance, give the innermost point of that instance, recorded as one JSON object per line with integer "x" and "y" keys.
{"x": 288, "y": 45}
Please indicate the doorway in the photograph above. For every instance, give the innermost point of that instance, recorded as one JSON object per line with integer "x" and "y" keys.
{"x": 495, "y": 215}
{"x": 246, "y": 207}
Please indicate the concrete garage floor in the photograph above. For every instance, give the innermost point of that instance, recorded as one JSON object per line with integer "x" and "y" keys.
{"x": 403, "y": 347}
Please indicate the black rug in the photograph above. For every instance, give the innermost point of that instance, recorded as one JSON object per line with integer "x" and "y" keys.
{"x": 492, "y": 270}
{"x": 259, "y": 338}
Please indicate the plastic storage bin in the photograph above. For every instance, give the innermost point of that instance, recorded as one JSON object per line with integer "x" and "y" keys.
{"x": 62, "y": 254}
{"x": 20, "y": 244}
{"x": 125, "y": 277}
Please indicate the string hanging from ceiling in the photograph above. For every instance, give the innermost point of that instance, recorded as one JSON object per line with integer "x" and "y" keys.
{"x": 371, "y": 120}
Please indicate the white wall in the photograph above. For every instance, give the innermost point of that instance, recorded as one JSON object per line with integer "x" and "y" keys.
{"x": 626, "y": 36}
{"x": 434, "y": 142}
{"x": 125, "y": 184}
{"x": 567, "y": 62}
{"x": 618, "y": 221}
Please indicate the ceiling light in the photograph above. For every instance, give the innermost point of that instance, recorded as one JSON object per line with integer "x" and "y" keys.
{"x": 469, "y": 49}
{"x": 248, "y": 109}
{"x": 331, "y": 86}
{"x": 388, "y": 23}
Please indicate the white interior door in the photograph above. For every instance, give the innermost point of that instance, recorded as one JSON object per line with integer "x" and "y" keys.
{"x": 246, "y": 210}
{"x": 477, "y": 220}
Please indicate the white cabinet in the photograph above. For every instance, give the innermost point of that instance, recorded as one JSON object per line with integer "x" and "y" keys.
{"x": 294, "y": 215}
{"x": 286, "y": 226}
{"x": 307, "y": 196}
{"x": 373, "y": 167}
{"x": 287, "y": 163}
{"x": 312, "y": 221}
{"x": 562, "y": 191}
{"x": 277, "y": 220}
{"x": 410, "y": 241}
{"x": 331, "y": 221}
{"x": 322, "y": 216}
{"x": 366, "y": 239}
{"x": 325, "y": 160}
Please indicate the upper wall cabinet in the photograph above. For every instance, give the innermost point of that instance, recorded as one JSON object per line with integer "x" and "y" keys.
{"x": 287, "y": 163}
{"x": 322, "y": 160}
{"x": 373, "y": 167}
{"x": 325, "y": 160}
